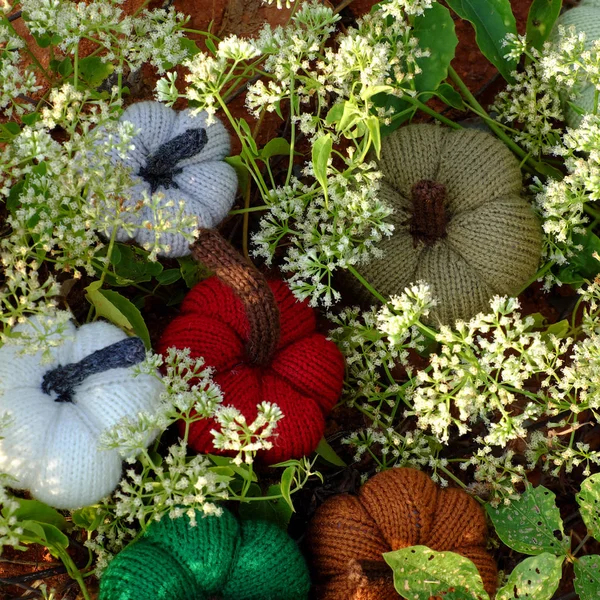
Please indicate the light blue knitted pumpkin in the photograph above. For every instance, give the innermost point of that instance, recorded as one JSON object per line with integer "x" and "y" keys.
{"x": 180, "y": 156}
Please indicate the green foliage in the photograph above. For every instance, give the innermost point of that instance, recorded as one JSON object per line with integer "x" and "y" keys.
{"x": 589, "y": 504}
{"x": 540, "y": 20}
{"x": 531, "y": 524}
{"x": 492, "y": 20}
{"x": 537, "y": 578}
{"x": 325, "y": 451}
{"x": 421, "y": 573}
{"x": 583, "y": 266}
{"x": 587, "y": 577}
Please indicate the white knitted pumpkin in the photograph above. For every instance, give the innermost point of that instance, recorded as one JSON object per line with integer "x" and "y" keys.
{"x": 58, "y": 410}
{"x": 180, "y": 156}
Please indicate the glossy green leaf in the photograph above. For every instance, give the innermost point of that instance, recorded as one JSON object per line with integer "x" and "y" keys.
{"x": 241, "y": 470}
{"x": 492, "y": 20}
{"x": 93, "y": 71}
{"x": 420, "y": 573}
{"x": 537, "y": 578}
{"x": 325, "y": 451}
{"x": 9, "y": 131}
{"x": 62, "y": 67}
{"x": 169, "y": 276}
{"x": 44, "y": 534}
{"x": 450, "y": 96}
{"x": 559, "y": 329}
{"x": 531, "y": 524}
{"x": 321, "y": 151}
{"x": 589, "y": 504}
{"x": 540, "y": 20}
{"x": 435, "y": 31}
{"x": 287, "y": 479}
{"x": 372, "y": 123}
{"x": 87, "y": 518}
{"x": 34, "y": 510}
{"x": 118, "y": 310}
{"x": 582, "y": 265}
{"x": 191, "y": 271}
{"x": 277, "y": 511}
{"x": 275, "y": 147}
{"x": 587, "y": 577}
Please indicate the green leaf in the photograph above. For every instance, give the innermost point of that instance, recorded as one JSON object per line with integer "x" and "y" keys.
{"x": 248, "y": 137}
{"x": 450, "y": 96}
{"x": 87, "y": 518}
{"x": 321, "y": 151}
{"x": 325, "y": 451}
{"x": 528, "y": 524}
{"x": 191, "y": 271}
{"x": 559, "y": 329}
{"x": 277, "y": 511}
{"x": 34, "y": 510}
{"x": 537, "y": 577}
{"x": 275, "y": 147}
{"x": 241, "y": 470}
{"x": 93, "y": 71}
{"x": 169, "y": 276}
{"x": 540, "y": 20}
{"x": 9, "y": 131}
{"x": 582, "y": 265}
{"x": 587, "y": 577}
{"x": 190, "y": 46}
{"x": 31, "y": 118}
{"x": 287, "y": 478}
{"x": 372, "y": 123}
{"x": 118, "y": 310}
{"x": 62, "y": 67}
{"x": 492, "y": 20}
{"x": 335, "y": 113}
{"x": 588, "y": 499}
{"x": 45, "y": 534}
{"x": 435, "y": 31}
{"x": 420, "y": 573}
{"x": 132, "y": 263}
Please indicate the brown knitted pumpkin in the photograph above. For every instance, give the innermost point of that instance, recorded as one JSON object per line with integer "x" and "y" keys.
{"x": 395, "y": 509}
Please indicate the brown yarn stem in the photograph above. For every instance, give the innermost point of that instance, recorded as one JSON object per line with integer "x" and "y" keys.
{"x": 249, "y": 286}
{"x": 429, "y": 218}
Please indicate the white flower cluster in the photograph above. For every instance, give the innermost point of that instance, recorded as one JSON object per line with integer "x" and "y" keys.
{"x": 17, "y": 82}
{"x": 152, "y": 36}
{"x": 237, "y": 435}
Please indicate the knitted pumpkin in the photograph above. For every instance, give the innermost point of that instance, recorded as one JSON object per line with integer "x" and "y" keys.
{"x": 585, "y": 18}
{"x": 58, "y": 410}
{"x": 460, "y": 222}
{"x": 217, "y": 558}
{"x": 263, "y": 346}
{"x": 180, "y": 156}
{"x": 393, "y": 510}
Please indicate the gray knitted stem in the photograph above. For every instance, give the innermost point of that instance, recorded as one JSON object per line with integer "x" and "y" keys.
{"x": 63, "y": 379}
{"x": 429, "y": 219}
{"x": 161, "y": 166}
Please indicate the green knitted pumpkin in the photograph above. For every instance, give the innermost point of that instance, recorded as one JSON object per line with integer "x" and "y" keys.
{"x": 218, "y": 558}
{"x": 461, "y": 224}
{"x": 585, "y": 18}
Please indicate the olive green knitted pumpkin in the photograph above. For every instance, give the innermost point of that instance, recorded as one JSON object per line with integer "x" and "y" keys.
{"x": 585, "y": 18}
{"x": 218, "y": 558}
{"x": 460, "y": 222}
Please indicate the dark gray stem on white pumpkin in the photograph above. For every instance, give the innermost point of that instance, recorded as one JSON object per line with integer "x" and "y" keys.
{"x": 63, "y": 379}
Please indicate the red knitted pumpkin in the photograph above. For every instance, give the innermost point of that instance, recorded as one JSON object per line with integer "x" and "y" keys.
{"x": 263, "y": 346}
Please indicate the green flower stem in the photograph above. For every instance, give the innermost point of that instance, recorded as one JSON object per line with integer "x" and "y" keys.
{"x": 241, "y": 211}
{"x": 366, "y": 284}
{"x": 436, "y": 115}
{"x": 583, "y": 541}
{"x": 540, "y": 273}
{"x": 75, "y": 67}
{"x": 539, "y": 167}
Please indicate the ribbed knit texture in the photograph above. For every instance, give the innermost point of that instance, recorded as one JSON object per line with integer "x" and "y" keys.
{"x": 169, "y": 160}
{"x": 585, "y": 18}
{"x": 218, "y": 558}
{"x": 304, "y": 378}
{"x": 59, "y": 409}
{"x": 395, "y": 509}
{"x": 492, "y": 240}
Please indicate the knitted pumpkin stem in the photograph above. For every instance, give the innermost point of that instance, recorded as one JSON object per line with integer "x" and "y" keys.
{"x": 250, "y": 287}
{"x": 429, "y": 219}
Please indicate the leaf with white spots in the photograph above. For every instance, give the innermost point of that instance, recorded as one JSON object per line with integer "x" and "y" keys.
{"x": 587, "y": 577}
{"x": 537, "y": 577}
{"x": 531, "y": 524}
{"x": 420, "y": 573}
{"x": 589, "y": 504}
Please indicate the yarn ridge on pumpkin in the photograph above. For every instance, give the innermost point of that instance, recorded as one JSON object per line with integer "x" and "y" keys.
{"x": 218, "y": 558}
{"x": 395, "y": 509}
